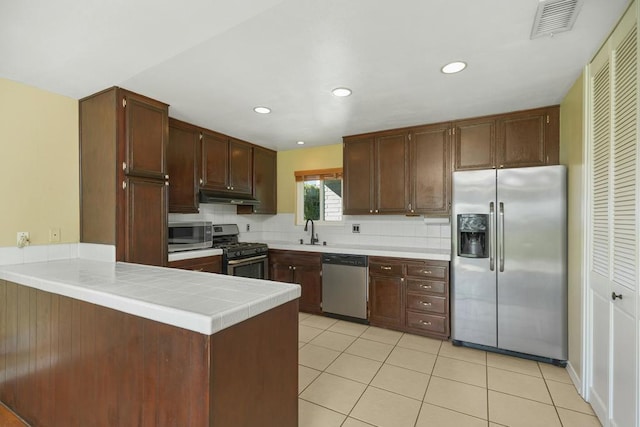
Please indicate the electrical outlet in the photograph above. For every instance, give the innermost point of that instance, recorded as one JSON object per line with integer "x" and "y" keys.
{"x": 248, "y": 227}
{"x": 355, "y": 228}
{"x": 22, "y": 239}
{"x": 54, "y": 235}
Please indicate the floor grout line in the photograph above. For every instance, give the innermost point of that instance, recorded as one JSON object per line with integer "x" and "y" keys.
{"x": 430, "y": 376}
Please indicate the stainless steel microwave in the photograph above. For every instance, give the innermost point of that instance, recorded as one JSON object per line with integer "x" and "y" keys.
{"x": 184, "y": 236}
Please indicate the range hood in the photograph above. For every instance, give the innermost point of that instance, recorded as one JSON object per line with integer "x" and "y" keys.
{"x": 225, "y": 199}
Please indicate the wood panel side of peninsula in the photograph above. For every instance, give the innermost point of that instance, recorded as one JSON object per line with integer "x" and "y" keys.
{"x": 65, "y": 362}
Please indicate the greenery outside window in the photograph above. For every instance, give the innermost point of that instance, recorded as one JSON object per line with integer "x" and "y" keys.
{"x": 319, "y": 196}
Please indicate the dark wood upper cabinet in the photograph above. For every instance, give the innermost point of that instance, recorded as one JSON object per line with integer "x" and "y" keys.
{"x": 146, "y": 125}
{"x": 391, "y": 173}
{"x": 226, "y": 164}
{"x": 215, "y": 162}
{"x": 430, "y": 182}
{"x": 519, "y": 139}
{"x": 358, "y": 175}
{"x": 183, "y": 165}
{"x": 406, "y": 171}
{"x": 240, "y": 166}
{"x": 264, "y": 182}
{"x": 528, "y": 138}
{"x": 375, "y": 170}
{"x": 475, "y": 144}
{"x": 123, "y": 141}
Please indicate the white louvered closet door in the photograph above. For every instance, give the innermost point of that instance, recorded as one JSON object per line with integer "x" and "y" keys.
{"x": 613, "y": 267}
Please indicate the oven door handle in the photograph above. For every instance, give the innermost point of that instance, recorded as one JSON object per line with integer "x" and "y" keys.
{"x": 245, "y": 260}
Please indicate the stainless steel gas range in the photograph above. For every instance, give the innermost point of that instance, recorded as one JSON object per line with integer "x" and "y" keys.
{"x": 242, "y": 259}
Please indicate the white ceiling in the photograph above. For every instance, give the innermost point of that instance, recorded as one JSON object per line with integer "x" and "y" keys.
{"x": 214, "y": 60}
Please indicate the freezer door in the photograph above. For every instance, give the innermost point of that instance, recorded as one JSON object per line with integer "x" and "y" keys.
{"x": 473, "y": 282}
{"x": 532, "y": 277}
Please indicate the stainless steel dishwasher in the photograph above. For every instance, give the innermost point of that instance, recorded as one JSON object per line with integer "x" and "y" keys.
{"x": 344, "y": 286}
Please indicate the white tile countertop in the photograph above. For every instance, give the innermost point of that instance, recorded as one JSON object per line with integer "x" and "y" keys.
{"x": 201, "y": 302}
{"x": 387, "y": 251}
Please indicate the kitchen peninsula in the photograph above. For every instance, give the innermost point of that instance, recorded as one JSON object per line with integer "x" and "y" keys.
{"x": 86, "y": 342}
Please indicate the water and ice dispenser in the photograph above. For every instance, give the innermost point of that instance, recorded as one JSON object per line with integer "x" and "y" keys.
{"x": 473, "y": 235}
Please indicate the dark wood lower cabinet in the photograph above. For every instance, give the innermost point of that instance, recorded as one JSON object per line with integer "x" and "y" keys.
{"x": 302, "y": 268}
{"x": 210, "y": 264}
{"x": 385, "y": 301}
{"x": 409, "y": 295}
{"x": 70, "y": 363}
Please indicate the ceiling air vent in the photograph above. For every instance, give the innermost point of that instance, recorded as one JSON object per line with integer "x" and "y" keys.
{"x": 555, "y": 16}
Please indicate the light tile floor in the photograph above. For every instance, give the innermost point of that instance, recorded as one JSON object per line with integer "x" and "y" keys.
{"x": 353, "y": 375}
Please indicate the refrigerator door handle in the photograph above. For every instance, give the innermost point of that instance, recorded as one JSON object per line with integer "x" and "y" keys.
{"x": 492, "y": 236}
{"x": 501, "y": 237}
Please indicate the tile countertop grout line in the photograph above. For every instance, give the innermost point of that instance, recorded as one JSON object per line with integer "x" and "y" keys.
{"x": 38, "y": 276}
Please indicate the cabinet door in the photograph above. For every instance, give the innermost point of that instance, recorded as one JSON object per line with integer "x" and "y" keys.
{"x": 240, "y": 167}
{"x": 309, "y": 278}
{"x": 280, "y": 272}
{"x": 145, "y": 221}
{"x": 183, "y": 164}
{"x": 264, "y": 180}
{"x": 475, "y": 144}
{"x": 215, "y": 162}
{"x": 392, "y": 173}
{"x": 210, "y": 264}
{"x": 358, "y": 175}
{"x": 430, "y": 170}
{"x": 146, "y": 135}
{"x": 385, "y": 301}
{"x": 527, "y": 138}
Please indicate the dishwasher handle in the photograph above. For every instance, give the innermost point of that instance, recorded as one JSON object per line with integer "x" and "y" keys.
{"x": 345, "y": 259}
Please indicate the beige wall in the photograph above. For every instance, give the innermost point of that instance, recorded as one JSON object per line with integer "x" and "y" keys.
{"x": 571, "y": 149}
{"x": 38, "y": 164}
{"x": 328, "y": 156}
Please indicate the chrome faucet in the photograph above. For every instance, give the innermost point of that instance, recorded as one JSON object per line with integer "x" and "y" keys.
{"x": 314, "y": 237}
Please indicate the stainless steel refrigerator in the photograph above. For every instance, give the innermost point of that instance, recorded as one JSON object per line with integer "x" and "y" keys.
{"x": 509, "y": 257}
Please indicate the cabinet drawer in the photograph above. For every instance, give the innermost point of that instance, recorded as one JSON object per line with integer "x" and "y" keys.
{"x": 427, "y": 322}
{"x": 385, "y": 269}
{"x": 427, "y": 303}
{"x": 426, "y": 286}
{"x": 426, "y": 270}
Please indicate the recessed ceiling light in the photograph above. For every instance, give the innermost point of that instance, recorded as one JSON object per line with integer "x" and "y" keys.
{"x": 454, "y": 67}
{"x": 341, "y": 91}
{"x": 262, "y": 110}
{"x": 300, "y": 142}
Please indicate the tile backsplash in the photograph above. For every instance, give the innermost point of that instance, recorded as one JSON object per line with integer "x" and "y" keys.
{"x": 387, "y": 230}
{"x": 41, "y": 253}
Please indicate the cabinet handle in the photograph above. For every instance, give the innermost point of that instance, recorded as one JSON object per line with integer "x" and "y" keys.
{"x": 294, "y": 268}
{"x": 614, "y": 296}
{"x": 370, "y": 210}
{"x": 232, "y": 188}
{"x": 290, "y": 268}
{"x": 426, "y": 271}
{"x": 166, "y": 183}
{"x": 385, "y": 267}
{"x": 425, "y": 286}
{"x": 166, "y": 177}
{"x": 200, "y": 181}
{"x": 376, "y": 210}
{"x": 425, "y": 303}
{"x": 124, "y": 166}
{"x": 424, "y": 322}
{"x": 124, "y": 185}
